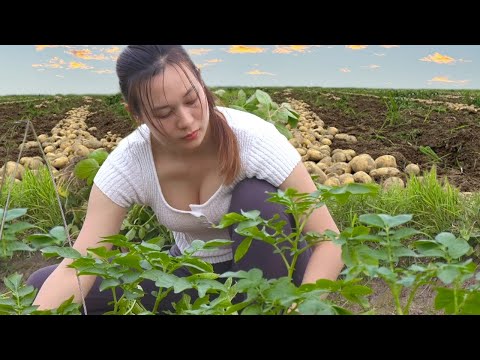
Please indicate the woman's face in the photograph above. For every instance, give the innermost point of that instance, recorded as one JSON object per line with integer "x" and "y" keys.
{"x": 178, "y": 111}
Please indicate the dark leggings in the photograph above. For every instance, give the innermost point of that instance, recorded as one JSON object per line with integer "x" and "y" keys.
{"x": 249, "y": 194}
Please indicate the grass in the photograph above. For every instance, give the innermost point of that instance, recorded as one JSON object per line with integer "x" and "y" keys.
{"x": 37, "y": 194}
{"x": 435, "y": 204}
{"x": 57, "y": 105}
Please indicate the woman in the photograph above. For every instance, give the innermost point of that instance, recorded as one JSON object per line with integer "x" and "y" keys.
{"x": 192, "y": 162}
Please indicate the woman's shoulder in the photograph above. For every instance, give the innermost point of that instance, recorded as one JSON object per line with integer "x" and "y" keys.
{"x": 132, "y": 146}
{"x": 137, "y": 139}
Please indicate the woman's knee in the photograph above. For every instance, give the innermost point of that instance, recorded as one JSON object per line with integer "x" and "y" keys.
{"x": 37, "y": 278}
{"x": 252, "y": 194}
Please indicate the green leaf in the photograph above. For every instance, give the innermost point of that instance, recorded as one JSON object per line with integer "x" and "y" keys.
{"x": 252, "y": 310}
{"x": 404, "y": 233}
{"x": 13, "y": 214}
{"x": 241, "y": 97}
{"x": 429, "y": 248}
{"x": 445, "y": 300}
{"x": 472, "y": 304}
{"x": 108, "y": 284}
{"x": 448, "y": 274}
{"x": 103, "y": 253}
{"x": 220, "y": 93}
{"x": 372, "y": 220}
{"x": 18, "y": 246}
{"x": 403, "y": 252}
{"x": 40, "y": 241}
{"x": 64, "y": 252}
{"x": 262, "y": 97}
{"x": 283, "y": 130}
{"x": 394, "y": 221}
{"x": 130, "y": 235}
{"x": 129, "y": 260}
{"x": 252, "y": 214}
{"x": 99, "y": 156}
{"x": 205, "y": 285}
{"x": 315, "y": 307}
{"x": 243, "y": 248}
{"x": 252, "y": 100}
{"x": 19, "y": 227}
{"x": 282, "y": 115}
{"x": 229, "y": 219}
{"x": 58, "y": 232}
{"x": 86, "y": 169}
{"x": 456, "y": 248}
{"x": 217, "y": 243}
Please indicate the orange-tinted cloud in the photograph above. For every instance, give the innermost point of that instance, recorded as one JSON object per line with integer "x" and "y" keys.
{"x": 43, "y": 47}
{"x": 258, "y": 72}
{"x": 53, "y": 63}
{"x": 214, "y": 61}
{"x": 390, "y": 46}
{"x": 345, "y": 70}
{"x": 356, "y": 47}
{"x": 438, "y": 58}
{"x": 86, "y": 54}
{"x": 445, "y": 79}
{"x": 244, "y": 49}
{"x": 113, "y": 50}
{"x": 199, "y": 51}
{"x": 287, "y": 49}
{"x": 79, "y": 65}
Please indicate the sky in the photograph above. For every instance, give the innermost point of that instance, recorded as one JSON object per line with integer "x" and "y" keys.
{"x": 90, "y": 69}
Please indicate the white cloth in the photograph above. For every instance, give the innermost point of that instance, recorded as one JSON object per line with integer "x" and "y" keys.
{"x": 128, "y": 176}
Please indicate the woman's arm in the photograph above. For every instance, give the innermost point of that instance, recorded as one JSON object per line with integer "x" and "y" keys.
{"x": 325, "y": 262}
{"x": 103, "y": 218}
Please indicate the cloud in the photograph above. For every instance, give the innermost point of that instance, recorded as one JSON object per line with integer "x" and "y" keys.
{"x": 243, "y": 49}
{"x": 287, "y": 49}
{"x": 258, "y": 72}
{"x": 464, "y": 61}
{"x": 199, "y": 51}
{"x": 78, "y": 65}
{"x": 390, "y": 46}
{"x": 86, "y": 54}
{"x": 356, "y": 47}
{"x": 378, "y": 54}
{"x": 445, "y": 79}
{"x": 104, "y": 71}
{"x": 214, "y": 61}
{"x": 371, "y": 66}
{"x": 60, "y": 76}
{"x": 112, "y": 50}
{"x": 53, "y": 63}
{"x": 345, "y": 70}
{"x": 438, "y": 58}
{"x": 43, "y": 47}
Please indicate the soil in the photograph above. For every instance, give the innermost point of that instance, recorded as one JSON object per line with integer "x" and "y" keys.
{"x": 453, "y": 135}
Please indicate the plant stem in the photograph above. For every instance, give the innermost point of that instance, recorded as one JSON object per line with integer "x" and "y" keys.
{"x": 160, "y": 297}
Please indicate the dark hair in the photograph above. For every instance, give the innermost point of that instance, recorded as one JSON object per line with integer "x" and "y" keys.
{"x": 138, "y": 64}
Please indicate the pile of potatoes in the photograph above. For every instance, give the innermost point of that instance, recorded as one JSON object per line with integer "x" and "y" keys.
{"x": 70, "y": 140}
{"x": 313, "y": 142}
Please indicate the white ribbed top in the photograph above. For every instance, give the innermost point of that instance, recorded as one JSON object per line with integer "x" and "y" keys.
{"x": 128, "y": 177}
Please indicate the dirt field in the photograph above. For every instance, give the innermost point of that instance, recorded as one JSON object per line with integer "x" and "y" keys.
{"x": 452, "y": 134}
